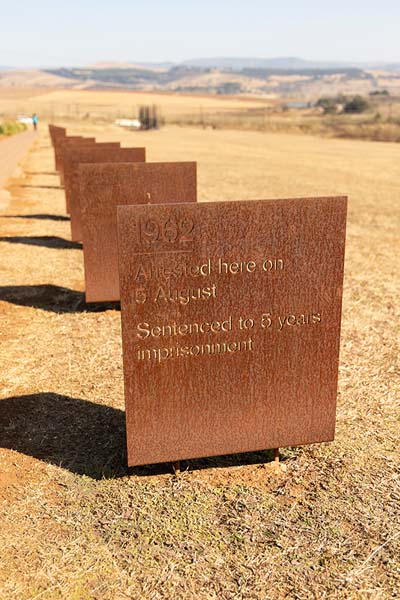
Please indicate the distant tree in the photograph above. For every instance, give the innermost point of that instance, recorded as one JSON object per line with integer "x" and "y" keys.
{"x": 229, "y": 88}
{"x": 379, "y": 93}
{"x": 358, "y": 104}
{"x": 328, "y": 105}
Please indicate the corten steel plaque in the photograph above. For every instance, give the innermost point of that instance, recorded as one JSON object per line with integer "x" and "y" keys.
{"x": 57, "y": 143}
{"x": 63, "y": 143}
{"x": 92, "y": 155}
{"x": 230, "y": 325}
{"x": 76, "y": 154}
{"x": 55, "y": 132}
{"x": 57, "y": 137}
{"x": 103, "y": 187}
{"x": 83, "y": 142}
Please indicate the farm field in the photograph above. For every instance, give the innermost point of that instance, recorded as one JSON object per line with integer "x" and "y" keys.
{"x": 74, "y": 524}
{"x": 380, "y": 122}
{"x": 108, "y": 105}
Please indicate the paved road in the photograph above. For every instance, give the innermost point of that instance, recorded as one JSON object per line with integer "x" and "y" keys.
{"x": 12, "y": 150}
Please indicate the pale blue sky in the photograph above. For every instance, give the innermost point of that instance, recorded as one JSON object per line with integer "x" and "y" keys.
{"x": 72, "y": 32}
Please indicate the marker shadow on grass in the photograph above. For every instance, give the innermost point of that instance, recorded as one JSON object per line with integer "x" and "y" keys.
{"x": 41, "y": 173}
{"x": 40, "y": 216}
{"x": 86, "y": 438}
{"x": 41, "y": 187}
{"x": 52, "y": 298}
{"x": 81, "y": 436}
{"x": 47, "y": 241}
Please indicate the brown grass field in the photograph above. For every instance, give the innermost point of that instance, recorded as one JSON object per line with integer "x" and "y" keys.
{"x": 75, "y": 525}
{"x": 97, "y": 105}
{"x": 248, "y": 113}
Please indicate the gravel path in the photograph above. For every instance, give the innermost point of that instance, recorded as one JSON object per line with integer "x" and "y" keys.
{"x": 12, "y": 149}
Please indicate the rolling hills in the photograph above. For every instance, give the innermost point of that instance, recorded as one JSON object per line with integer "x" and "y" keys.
{"x": 278, "y": 77}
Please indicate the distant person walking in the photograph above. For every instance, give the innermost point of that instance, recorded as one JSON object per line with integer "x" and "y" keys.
{"x": 35, "y": 120}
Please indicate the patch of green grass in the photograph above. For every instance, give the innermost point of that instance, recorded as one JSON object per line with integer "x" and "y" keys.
{"x": 11, "y": 127}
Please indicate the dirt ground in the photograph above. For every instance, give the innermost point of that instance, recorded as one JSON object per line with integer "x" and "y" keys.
{"x": 75, "y": 525}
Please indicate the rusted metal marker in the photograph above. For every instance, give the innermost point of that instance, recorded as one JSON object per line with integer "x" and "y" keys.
{"x": 87, "y": 155}
{"x": 62, "y": 144}
{"x": 230, "y": 325}
{"x": 56, "y": 132}
{"x": 103, "y": 187}
{"x": 72, "y": 156}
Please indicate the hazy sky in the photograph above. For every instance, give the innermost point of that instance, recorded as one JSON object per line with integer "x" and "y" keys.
{"x": 72, "y": 32}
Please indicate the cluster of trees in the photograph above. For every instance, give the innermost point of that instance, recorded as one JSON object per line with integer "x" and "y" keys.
{"x": 331, "y": 105}
{"x": 229, "y": 88}
{"x": 357, "y": 104}
{"x": 379, "y": 93}
{"x": 132, "y": 77}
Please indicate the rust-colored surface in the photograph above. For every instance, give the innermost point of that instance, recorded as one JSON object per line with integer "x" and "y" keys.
{"x": 97, "y": 154}
{"x": 81, "y": 153}
{"x": 64, "y": 142}
{"x": 57, "y": 146}
{"x": 230, "y": 323}
{"x": 103, "y": 187}
{"x": 56, "y": 132}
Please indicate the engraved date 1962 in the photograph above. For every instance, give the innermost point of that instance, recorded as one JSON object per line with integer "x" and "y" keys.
{"x": 170, "y": 231}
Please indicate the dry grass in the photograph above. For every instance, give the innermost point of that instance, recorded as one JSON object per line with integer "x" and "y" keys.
{"x": 91, "y": 108}
{"x": 75, "y": 525}
{"x": 381, "y": 123}
{"x": 105, "y": 106}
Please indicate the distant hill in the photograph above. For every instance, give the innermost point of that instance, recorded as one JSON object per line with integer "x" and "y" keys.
{"x": 287, "y": 63}
{"x": 34, "y": 78}
{"x": 286, "y": 77}
{"x": 390, "y": 67}
{"x": 150, "y": 66}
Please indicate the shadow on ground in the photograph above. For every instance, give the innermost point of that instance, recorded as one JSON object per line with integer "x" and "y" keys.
{"x": 41, "y": 216}
{"x": 41, "y": 187}
{"x": 86, "y": 438}
{"x": 81, "y": 436}
{"x": 53, "y": 298}
{"x": 41, "y": 173}
{"x": 48, "y": 241}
